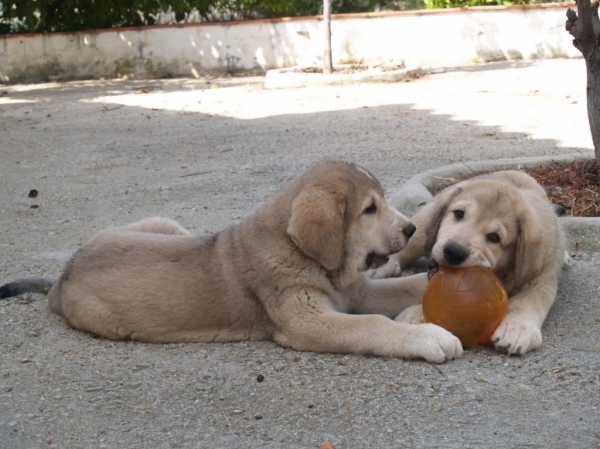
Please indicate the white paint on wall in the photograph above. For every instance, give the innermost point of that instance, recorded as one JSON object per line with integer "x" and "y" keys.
{"x": 434, "y": 38}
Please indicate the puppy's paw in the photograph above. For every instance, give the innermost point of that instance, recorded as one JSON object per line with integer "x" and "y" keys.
{"x": 411, "y": 315}
{"x": 437, "y": 345}
{"x": 516, "y": 336}
{"x": 388, "y": 270}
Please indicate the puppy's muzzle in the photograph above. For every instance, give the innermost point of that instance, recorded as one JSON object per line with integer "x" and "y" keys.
{"x": 455, "y": 254}
{"x": 375, "y": 260}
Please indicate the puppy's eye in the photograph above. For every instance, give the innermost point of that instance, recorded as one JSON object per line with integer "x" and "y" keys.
{"x": 459, "y": 214}
{"x": 493, "y": 238}
{"x": 371, "y": 209}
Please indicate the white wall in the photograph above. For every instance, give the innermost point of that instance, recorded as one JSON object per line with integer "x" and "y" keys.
{"x": 438, "y": 37}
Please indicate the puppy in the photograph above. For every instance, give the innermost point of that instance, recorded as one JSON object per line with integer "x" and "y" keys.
{"x": 503, "y": 221}
{"x": 292, "y": 273}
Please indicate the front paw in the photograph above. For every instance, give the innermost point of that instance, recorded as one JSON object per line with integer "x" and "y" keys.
{"x": 437, "y": 345}
{"x": 388, "y": 270}
{"x": 516, "y": 336}
{"x": 411, "y": 315}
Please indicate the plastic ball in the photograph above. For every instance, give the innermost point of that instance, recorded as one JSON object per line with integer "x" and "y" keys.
{"x": 470, "y": 302}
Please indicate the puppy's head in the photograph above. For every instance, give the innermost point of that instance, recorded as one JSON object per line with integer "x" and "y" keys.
{"x": 341, "y": 219}
{"x": 487, "y": 223}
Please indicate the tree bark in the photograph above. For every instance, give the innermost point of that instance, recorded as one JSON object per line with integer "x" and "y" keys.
{"x": 584, "y": 26}
{"x": 327, "y": 62}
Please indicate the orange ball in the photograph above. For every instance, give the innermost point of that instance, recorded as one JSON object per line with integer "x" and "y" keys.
{"x": 470, "y": 302}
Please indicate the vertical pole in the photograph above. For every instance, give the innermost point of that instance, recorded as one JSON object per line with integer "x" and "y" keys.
{"x": 327, "y": 62}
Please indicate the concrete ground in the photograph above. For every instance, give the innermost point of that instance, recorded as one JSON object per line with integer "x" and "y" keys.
{"x": 208, "y": 153}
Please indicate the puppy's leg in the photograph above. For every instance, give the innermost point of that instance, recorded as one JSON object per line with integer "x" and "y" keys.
{"x": 520, "y": 331}
{"x": 159, "y": 225}
{"x": 308, "y": 323}
{"x": 412, "y": 315}
{"x": 388, "y": 297}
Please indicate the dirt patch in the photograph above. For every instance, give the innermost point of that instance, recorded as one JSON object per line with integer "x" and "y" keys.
{"x": 575, "y": 187}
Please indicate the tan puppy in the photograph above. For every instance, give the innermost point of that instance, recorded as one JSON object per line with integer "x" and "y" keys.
{"x": 292, "y": 272}
{"x": 503, "y": 221}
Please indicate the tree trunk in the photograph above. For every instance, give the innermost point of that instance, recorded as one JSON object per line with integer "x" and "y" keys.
{"x": 584, "y": 26}
{"x": 327, "y": 62}
{"x": 593, "y": 103}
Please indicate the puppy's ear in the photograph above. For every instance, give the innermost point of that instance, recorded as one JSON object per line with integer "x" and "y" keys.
{"x": 529, "y": 257}
{"x": 317, "y": 226}
{"x": 428, "y": 222}
{"x": 437, "y": 211}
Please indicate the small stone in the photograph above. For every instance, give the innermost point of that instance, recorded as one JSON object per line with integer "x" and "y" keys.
{"x": 260, "y": 378}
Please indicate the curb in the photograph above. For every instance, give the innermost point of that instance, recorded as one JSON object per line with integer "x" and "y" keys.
{"x": 291, "y": 78}
{"x": 583, "y": 234}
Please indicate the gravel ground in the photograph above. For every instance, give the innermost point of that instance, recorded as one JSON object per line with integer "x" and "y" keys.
{"x": 207, "y": 153}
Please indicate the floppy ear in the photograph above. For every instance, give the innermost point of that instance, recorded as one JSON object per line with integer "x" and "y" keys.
{"x": 437, "y": 211}
{"x": 529, "y": 257}
{"x": 317, "y": 226}
{"x": 428, "y": 222}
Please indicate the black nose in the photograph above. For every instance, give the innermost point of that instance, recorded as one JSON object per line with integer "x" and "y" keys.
{"x": 409, "y": 230}
{"x": 455, "y": 254}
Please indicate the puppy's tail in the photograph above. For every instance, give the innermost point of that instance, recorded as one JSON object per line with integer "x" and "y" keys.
{"x": 38, "y": 284}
